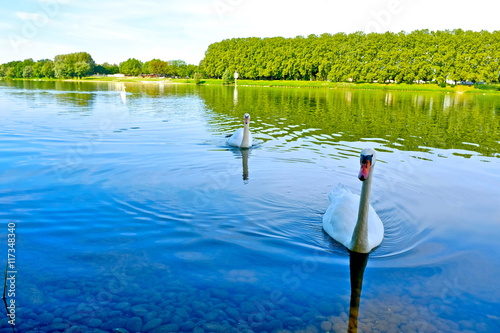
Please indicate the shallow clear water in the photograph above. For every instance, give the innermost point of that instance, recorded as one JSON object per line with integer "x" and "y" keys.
{"x": 131, "y": 212}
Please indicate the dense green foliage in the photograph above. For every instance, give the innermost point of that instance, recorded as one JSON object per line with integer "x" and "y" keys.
{"x": 157, "y": 67}
{"x": 63, "y": 66}
{"x": 73, "y": 65}
{"x": 28, "y": 69}
{"x": 227, "y": 77}
{"x": 131, "y": 66}
{"x": 106, "y": 68}
{"x": 77, "y": 65}
{"x": 172, "y": 68}
{"x": 419, "y": 56}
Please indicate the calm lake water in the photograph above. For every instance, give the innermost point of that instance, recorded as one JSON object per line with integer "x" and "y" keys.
{"x": 131, "y": 213}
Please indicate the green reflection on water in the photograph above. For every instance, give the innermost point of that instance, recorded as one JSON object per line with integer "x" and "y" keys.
{"x": 413, "y": 121}
{"x": 402, "y": 120}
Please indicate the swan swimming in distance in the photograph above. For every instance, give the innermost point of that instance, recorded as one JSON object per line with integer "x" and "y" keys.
{"x": 350, "y": 219}
{"x": 242, "y": 138}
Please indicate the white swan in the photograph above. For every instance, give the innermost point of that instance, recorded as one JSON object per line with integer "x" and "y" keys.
{"x": 242, "y": 138}
{"x": 350, "y": 219}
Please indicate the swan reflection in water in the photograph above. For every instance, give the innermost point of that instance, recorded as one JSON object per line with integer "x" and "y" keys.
{"x": 244, "y": 162}
{"x": 120, "y": 86}
{"x": 244, "y": 153}
{"x": 357, "y": 265}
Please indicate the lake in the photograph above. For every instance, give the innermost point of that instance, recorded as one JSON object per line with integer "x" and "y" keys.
{"x": 130, "y": 214}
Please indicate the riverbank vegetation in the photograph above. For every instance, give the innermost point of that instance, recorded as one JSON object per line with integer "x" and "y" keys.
{"x": 428, "y": 58}
{"x": 478, "y": 88}
{"x": 420, "y": 56}
{"x": 81, "y": 64}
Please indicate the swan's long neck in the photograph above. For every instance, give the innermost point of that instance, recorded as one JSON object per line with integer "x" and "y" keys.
{"x": 245, "y": 143}
{"x": 359, "y": 241}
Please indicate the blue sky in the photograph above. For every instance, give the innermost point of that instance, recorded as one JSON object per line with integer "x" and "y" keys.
{"x": 113, "y": 31}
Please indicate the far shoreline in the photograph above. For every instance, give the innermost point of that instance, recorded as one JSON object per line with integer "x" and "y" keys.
{"x": 416, "y": 87}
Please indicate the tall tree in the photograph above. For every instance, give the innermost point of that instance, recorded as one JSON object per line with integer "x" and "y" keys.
{"x": 65, "y": 64}
{"x": 81, "y": 68}
{"x": 28, "y": 72}
{"x": 131, "y": 66}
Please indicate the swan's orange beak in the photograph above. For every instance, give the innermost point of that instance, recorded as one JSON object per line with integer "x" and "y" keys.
{"x": 364, "y": 172}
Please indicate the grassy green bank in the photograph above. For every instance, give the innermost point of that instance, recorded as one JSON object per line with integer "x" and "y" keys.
{"x": 485, "y": 88}
{"x": 365, "y": 86}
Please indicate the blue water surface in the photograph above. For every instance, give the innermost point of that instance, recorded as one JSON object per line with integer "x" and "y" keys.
{"x": 131, "y": 213}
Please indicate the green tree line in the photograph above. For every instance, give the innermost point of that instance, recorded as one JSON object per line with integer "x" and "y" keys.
{"x": 80, "y": 64}
{"x": 419, "y": 56}
{"x": 172, "y": 68}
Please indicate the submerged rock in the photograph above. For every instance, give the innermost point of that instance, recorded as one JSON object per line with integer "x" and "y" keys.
{"x": 67, "y": 293}
{"x": 188, "y": 326}
{"x": 139, "y": 310}
{"x": 57, "y": 327}
{"x": 247, "y": 307}
{"x": 119, "y": 330}
{"x": 212, "y": 315}
{"x": 326, "y": 326}
{"x": 114, "y": 324}
{"x": 169, "y": 328}
{"x": 122, "y": 306}
{"x": 232, "y": 313}
{"x": 134, "y": 324}
{"x": 214, "y": 328}
{"x": 45, "y": 318}
{"x": 151, "y": 325}
{"x": 182, "y": 312}
{"x": 293, "y": 321}
{"x": 273, "y": 325}
{"x": 95, "y": 322}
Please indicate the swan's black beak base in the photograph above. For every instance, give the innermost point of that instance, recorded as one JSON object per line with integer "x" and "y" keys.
{"x": 366, "y": 164}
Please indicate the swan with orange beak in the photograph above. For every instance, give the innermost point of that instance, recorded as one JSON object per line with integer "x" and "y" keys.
{"x": 350, "y": 219}
{"x": 242, "y": 138}
{"x": 366, "y": 164}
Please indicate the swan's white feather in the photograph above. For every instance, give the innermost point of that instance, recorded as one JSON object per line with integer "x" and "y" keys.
{"x": 236, "y": 139}
{"x": 341, "y": 216}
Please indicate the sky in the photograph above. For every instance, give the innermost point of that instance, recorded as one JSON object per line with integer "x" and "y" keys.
{"x": 113, "y": 31}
